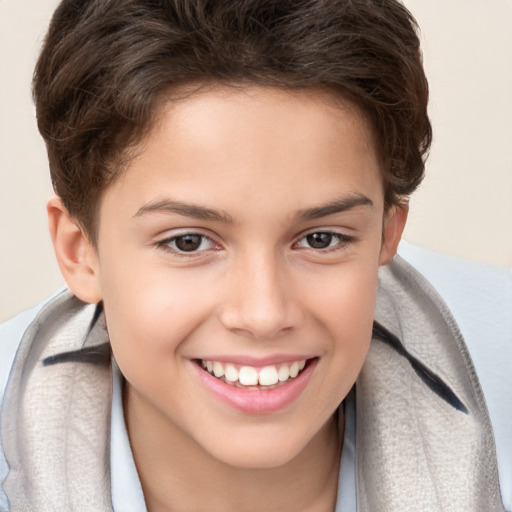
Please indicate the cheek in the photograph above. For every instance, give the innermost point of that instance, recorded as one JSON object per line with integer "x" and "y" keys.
{"x": 346, "y": 308}
{"x": 345, "y": 299}
{"x": 149, "y": 314}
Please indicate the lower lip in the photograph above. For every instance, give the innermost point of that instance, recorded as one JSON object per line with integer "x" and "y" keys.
{"x": 257, "y": 401}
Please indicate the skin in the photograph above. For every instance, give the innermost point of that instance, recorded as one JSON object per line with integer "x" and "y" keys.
{"x": 265, "y": 168}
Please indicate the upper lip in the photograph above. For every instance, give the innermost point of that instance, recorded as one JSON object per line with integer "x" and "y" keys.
{"x": 246, "y": 360}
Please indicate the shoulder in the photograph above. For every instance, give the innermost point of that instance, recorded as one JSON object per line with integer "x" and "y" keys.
{"x": 11, "y": 334}
{"x": 479, "y": 297}
{"x": 460, "y": 282}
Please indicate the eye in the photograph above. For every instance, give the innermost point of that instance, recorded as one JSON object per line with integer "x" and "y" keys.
{"x": 323, "y": 240}
{"x": 187, "y": 243}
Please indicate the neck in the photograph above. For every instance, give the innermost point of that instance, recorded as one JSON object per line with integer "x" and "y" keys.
{"x": 178, "y": 474}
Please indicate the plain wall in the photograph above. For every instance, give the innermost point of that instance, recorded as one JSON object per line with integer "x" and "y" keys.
{"x": 463, "y": 208}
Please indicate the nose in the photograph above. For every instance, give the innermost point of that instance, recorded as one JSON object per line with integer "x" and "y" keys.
{"x": 261, "y": 302}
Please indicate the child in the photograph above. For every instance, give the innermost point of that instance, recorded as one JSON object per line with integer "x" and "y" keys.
{"x": 230, "y": 177}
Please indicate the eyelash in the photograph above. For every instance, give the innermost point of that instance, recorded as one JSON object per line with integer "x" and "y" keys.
{"x": 166, "y": 245}
{"x": 343, "y": 241}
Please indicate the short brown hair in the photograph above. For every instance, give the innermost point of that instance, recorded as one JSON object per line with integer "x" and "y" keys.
{"x": 105, "y": 64}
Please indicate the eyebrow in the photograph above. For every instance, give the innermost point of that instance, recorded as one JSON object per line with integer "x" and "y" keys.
{"x": 337, "y": 206}
{"x": 185, "y": 209}
{"x": 203, "y": 213}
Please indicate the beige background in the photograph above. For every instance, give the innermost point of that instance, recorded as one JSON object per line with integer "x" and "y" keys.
{"x": 464, "y": 207}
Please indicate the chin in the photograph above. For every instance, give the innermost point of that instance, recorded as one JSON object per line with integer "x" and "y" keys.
{"x": 253, "y": 449}
{"x": 258, "y": 457}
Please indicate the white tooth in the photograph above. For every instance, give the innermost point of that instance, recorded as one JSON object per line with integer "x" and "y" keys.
{"x": 294, "y": 369}
{"x": 218, "y": 369}
{"x": 209, "y": 366}
{"x": 248, "y": 376}
{"x": 268, "y": 376}
{"x": 301, "y": 365}
{"x": 203, "y": 363}
{"x": 284, "y": 373}
{"x": 231, "y": 373}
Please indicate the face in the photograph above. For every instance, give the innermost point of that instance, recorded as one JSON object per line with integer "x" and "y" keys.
{"x": 237, "y": 259}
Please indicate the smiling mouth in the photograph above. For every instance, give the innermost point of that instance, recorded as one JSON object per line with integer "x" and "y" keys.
{"x": 249, "y": 377}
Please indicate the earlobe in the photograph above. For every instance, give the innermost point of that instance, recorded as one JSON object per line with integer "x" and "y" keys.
{"x": 76, "y": 255}
{"x": 394, "y": 224}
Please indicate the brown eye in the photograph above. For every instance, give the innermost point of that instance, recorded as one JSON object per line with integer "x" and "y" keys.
{"x": 319, "y": 240}
{"x": 188, "y": 243}
{"x": 324, "y": 241}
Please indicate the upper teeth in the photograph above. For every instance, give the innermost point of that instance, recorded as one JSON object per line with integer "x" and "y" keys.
{"x": 250, "y": 376}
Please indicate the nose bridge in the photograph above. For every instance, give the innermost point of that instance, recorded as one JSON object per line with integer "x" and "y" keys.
{"x": 260, "y": 302}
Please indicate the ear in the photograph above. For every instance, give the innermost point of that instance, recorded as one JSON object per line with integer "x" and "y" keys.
{"x": 76, "y": 255}
{"x": 394, "y": 224}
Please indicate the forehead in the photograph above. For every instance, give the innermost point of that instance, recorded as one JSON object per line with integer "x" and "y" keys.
{"x": 216, "y": 111}
{"x": 252, "y": 141}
